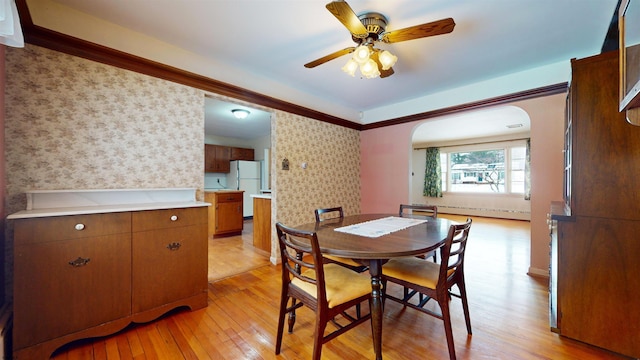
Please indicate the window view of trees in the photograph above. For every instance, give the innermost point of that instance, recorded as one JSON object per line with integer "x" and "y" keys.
{"x": 478, "y": 171}
{"x": 489, "y": 171}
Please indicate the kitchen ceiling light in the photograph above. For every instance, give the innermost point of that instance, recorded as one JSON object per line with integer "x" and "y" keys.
{"x": 240, "y": 113}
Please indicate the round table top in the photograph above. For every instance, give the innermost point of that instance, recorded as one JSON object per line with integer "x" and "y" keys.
{"x": 414, "y": 240}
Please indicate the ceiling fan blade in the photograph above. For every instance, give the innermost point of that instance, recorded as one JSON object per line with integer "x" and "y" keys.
{"x": 439, "y": 27}
{"x": 383, "y": 73}
{"x": 329, "y": 57}
{"x": 343, "y": 12}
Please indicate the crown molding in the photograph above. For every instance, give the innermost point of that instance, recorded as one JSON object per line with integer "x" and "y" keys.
{"x": 37, "y": 35}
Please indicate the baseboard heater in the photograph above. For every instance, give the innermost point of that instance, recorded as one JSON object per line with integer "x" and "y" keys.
{"x": 497, "y": 213}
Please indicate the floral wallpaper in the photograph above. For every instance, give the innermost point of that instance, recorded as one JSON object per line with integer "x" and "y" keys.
{"x": 72, "y": 123}
{"x": 332, "y": 175}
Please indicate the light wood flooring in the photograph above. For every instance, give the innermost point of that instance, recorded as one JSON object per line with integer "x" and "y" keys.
{"x": 233, "y": 255}
{"x": 508, "y": 310}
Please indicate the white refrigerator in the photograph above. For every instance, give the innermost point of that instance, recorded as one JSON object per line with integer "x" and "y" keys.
{"x": 245, "y": 175}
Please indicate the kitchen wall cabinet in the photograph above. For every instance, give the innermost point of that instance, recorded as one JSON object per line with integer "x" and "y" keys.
{"x": 594, "y": 285}
{"x": 216, "y": 158}
{"x": 82, "y": 276}
{"x": 225, "y": 213}
{"x": 242, "y": 154}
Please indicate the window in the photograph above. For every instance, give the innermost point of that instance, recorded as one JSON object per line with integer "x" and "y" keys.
{"x": 497, "y": 169}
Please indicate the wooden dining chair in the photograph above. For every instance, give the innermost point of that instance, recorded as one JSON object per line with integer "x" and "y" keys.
{"x": 429, "y": 211}
{"x": 422, "y": 210}
{"x": 337, "y": 213}
{"x": 328, "y": 289}
{"x": 434, "y": 281}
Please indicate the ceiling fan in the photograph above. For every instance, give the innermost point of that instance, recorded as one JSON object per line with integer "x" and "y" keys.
{"x": 367, "y": 29}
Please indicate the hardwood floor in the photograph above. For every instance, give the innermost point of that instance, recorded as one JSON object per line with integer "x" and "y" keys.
{"x": 508, "y": 310}
{"x": 233, "y": 255}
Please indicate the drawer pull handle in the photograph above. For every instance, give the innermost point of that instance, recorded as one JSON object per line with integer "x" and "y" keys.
{"x": 174, "y": 246}
{"x": 174, "y": 217}
{"x": 79, "y": 227}
{"x": 79, "y": 262}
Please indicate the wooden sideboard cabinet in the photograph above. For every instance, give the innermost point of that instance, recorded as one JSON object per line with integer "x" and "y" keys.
{"x": 81, "y": 276}
{"x": 225, "y": 213}
{"x": 594, "y": 236}
{"x": 169, "y": 255}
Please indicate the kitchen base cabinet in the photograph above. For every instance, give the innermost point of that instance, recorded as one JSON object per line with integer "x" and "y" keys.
{"x": 262, "y": 224}
{"x": 83, "y": 276}
{"x": 225, "y": 213}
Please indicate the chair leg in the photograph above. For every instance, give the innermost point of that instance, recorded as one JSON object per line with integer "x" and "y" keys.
{"x": 318, "y": 337}
{"x": 283, "y": 308}
{"x": 446, "y": 318}
{"x": 292, "y": 315}
{"x": 465, "y": 304}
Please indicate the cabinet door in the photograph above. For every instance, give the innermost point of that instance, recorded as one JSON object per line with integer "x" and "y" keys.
{"x": 598, "y": 283}
{"x": 242, "y": 154}
{"x": 229, "y": 217}
{"x": 61, "y": 287}
{"x": 209, "y": 158}
{"x": 223, "y": 156}
{"x": 169, "y": 252}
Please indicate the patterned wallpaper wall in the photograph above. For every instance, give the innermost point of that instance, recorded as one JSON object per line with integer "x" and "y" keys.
{"x": 332, "y": 176}
{"x": 72, "y": 123}
{"x": 78, "y": 124}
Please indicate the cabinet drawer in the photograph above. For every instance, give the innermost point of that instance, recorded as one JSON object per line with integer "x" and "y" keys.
{"x": 39, "y": 230}
{"x": 230, "y": 197}
{"x": 169, "y": 218}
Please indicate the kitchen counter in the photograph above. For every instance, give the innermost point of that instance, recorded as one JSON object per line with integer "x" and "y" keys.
{"x": 261, "y": 196}
{"x": 45, "y": 203}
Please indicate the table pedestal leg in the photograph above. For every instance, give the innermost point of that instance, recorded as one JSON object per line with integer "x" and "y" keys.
{"x": 375, "y": 269}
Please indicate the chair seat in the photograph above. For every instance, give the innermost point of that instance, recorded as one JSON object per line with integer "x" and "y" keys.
{"x": 414, "y": 270}
{"x": 342, "y": 284}
{"x": 343, "y": 260}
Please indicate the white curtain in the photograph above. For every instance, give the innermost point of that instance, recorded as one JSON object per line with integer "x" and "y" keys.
{"x": 10, "y": 30}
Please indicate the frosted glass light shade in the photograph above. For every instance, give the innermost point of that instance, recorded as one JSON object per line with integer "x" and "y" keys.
{"x": 387, "y": 59}
{"x": 361, "y": 54}
{"x": 350, "y": 67}
{"x": 240, "y": 113}
{"x": 370, "y": 69}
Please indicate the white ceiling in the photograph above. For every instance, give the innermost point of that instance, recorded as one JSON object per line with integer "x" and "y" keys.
{"x": 262, "y": 45}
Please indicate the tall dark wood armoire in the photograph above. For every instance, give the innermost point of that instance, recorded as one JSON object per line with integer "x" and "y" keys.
{"x": 595, "y": 237}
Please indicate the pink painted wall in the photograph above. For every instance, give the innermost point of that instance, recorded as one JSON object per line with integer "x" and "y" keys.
{"x": 385, "y": 155}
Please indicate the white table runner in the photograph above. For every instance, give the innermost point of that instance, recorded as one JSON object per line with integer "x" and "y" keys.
{"x": 380, "y": 227}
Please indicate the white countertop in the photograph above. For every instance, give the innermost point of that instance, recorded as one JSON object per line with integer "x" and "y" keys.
{"x": 261, "y": 196}
{"x": 44, "y": 203}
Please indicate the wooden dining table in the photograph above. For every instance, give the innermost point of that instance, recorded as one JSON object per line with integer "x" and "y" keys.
{"x": 374, "y": 252}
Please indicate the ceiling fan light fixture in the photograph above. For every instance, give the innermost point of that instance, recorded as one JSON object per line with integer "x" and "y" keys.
{"x": 387, "y": 59}
{"x": 370, "y": 69}
{"x": 361, "y": 54}
{"x": 350, "y": 67}
{"x": 240, "y": 113}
